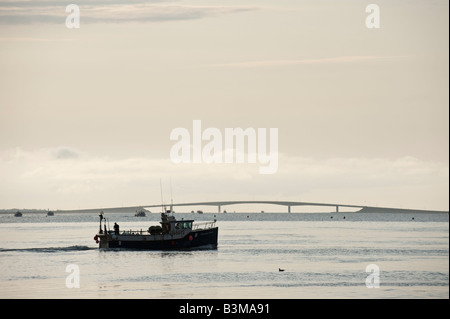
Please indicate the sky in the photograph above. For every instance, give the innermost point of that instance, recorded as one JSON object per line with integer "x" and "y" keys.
{"x": 86, "y": 113}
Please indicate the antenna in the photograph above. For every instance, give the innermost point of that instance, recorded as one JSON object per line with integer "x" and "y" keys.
{"x": 171, "y": 197}
{"x": 162, "y": 201}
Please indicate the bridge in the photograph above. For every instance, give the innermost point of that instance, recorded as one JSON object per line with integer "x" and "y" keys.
{"x": 287, "y": 204}
{"x": 220, "y": 204}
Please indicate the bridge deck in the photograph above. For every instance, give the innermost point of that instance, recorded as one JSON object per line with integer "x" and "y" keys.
{"x": 289, "y": 204}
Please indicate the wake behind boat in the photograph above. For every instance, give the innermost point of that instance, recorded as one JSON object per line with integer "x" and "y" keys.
{"x": 173, "y": 234}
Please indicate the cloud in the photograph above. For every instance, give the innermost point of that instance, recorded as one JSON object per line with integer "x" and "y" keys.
{"x": 25, "y": 39}
{"x": 66, "y": 178}
{"x": 65, "y": 153}
{"x": 46, "y": 3}
{"x": 52, "y": 12}
{"x": 333, "y": 60}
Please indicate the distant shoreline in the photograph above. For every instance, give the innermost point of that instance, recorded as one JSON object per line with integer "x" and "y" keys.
{"x": 133, "y": 210}
{"x": 398, "y": 210}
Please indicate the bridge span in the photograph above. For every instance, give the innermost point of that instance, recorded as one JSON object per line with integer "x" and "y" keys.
{"x": 288, "y": 204}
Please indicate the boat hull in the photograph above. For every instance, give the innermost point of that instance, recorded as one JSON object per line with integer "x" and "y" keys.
{"x": 196, "y": 239}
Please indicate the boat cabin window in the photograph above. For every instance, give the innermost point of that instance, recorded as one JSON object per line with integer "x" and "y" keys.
{"x": 183, "y": 225}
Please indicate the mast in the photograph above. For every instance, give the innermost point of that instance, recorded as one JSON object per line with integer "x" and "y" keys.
{"x": 171, "y": 197}
{"x": 162, "y": 202}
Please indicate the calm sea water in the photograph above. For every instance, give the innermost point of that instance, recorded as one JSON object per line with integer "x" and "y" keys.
{"x": 323, "y": 255}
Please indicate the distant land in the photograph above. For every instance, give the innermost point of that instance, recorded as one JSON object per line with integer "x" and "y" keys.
{"x": 397, "y": 210}
{"x": 157, "y": 211}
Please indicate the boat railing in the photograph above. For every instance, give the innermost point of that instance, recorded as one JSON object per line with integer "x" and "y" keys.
{"x": 132, "y": 232}
{"x": 204, "y": 225}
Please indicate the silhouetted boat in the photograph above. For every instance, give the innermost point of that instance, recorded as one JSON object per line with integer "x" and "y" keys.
{"x": 140, "y": 213}
{"x": 172, "y": 234}
{"x": 17, "y": 214}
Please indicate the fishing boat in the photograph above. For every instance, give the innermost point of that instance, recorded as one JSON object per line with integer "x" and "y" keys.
{"x": 172, "y": 234}
{"x": 18, "y": 214}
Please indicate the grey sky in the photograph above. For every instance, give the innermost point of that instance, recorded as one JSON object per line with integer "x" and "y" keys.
{"x": 86, "y": 114}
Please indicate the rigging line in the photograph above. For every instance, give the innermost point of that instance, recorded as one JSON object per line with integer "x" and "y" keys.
{"x": 162, "y": 201}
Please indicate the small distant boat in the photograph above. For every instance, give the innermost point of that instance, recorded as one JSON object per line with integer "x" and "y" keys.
{"x": 50, "y": 213}
{"x": 17, "y": 214}
{"x": 141, "y": 212}
{"x": 199, "y": 212}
